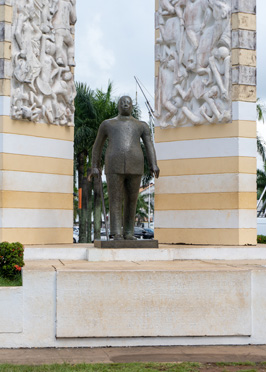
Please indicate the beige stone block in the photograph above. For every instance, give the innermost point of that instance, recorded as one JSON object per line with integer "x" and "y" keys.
{"x": 5, "y": 13}
{"x": 244, "y": 21}
{"x": 157, "y": 67}
{"x": 156, "y": 5}
{"x": 151, "y": 301}
{"x": 36, "y": 200}
{"x": 208, "y": 201}
{"x": 5, "y": 87}
{"x": 244, "y": 57}
{"x": 241, "y": 128}
{"x": 38, "y": 235}
{"x": 5, "y": 50}
{"x": 207, "y": 236}
{"x": 27, "y": 128}
{"x": 244, "y": 93}
{"x": 181, "y": 167}
{"x": 36, "y": 164}
{"x": 157, "y": 34}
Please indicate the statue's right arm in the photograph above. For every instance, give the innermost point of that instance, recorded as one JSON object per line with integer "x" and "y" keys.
{"x": 97, "y": 148}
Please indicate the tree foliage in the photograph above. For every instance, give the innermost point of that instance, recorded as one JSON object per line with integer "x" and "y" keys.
{"x": 260, "y": 116}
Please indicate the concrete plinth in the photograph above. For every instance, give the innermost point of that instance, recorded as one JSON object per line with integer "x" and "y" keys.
{"x": 66, "y": 303}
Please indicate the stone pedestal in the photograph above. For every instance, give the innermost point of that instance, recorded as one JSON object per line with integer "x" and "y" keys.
{"x": 133, "y": 244}
{"x": 206, "y": 193}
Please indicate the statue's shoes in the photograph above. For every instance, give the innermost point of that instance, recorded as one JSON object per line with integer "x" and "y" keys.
{"x": 129, "y": 237}
{"x": 118, "y": 237}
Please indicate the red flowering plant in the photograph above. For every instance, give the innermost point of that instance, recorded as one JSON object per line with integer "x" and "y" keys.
{"x": 261, "y": 239}
{"x": 11, "y": 259}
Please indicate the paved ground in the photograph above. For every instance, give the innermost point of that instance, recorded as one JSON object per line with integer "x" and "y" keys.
{"x": 203, "y": 354}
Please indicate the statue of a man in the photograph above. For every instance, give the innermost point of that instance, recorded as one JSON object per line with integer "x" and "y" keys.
{"x": 124, "y": 165}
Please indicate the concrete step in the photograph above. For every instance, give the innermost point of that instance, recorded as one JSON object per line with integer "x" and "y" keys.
{"x": 163, "y": 253}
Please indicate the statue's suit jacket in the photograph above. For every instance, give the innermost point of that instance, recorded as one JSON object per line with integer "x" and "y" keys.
{"x": 124, "y": 154}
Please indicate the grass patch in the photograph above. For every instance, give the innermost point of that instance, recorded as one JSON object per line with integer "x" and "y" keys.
{"x": 227, "y": 364}
{"x": 16, "y": 282}
{"x": 129, "y": 367}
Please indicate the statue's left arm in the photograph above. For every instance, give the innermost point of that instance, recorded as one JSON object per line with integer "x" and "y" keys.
{"x": 151, "y": 155}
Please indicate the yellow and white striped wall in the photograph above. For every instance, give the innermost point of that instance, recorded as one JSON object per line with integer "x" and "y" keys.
{"x": 36, "y": 175}
{"x": 206, "y": 193}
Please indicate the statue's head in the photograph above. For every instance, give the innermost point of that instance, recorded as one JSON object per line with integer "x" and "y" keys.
{"x": 125, "y": 106}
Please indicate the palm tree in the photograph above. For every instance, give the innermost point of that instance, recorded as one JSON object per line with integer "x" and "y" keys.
{"x": 260, "y": 116}
{"x": 92, "y": 108}
{"x": 142, "y": 209}
{"x": 84, "y": 120}
{"x": 261, "y": 184}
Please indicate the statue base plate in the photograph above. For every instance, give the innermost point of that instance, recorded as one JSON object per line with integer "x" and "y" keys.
{"x": 133, "y": 244}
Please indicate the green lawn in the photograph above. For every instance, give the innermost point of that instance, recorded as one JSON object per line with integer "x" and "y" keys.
{"x": 17, "y": 282}
{"x": 140, "y": 367}
{"x": 130, "y": 367}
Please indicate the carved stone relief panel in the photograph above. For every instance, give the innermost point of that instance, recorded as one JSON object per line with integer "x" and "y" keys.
{"x": 194, "y": 54}
{"x": 42, "y": 82}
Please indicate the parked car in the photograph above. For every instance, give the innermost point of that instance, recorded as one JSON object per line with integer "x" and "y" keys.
{"x": 148, "y": 233}
{"x": 75, "y": 235}
{"x": 103, "y": 233}
{"x": 138, "y": 232}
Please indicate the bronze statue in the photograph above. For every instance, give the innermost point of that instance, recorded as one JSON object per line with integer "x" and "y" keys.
{"x": 124, "y": 165}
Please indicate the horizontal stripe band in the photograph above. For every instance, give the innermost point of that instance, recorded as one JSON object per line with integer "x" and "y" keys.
{"x": 35, "y": 146}
{"x": 245, "y": 129}
{"x": 36, "y": 164}
{"x": 33, "y": 218}
{"x": 36, "y": 182}
{"x": 207, "y": 166}
{"x": 210, "y": 219}
{"x": 207, "y": 148}
{"x": 215, "y": 201}
{"x": 206, "y": 184}
{"x": 36, "y": 200}
{"x": 4, "y": 106}
{"x": 38, "y": 236}
{"x": 207, "y": 236}
{"x": 28, "y": 128}
{"x": 244, "y": 111}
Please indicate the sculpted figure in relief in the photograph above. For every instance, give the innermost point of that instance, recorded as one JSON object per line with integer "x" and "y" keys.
{"x": 194, "y": 51}
{"x": 43, "y": 54}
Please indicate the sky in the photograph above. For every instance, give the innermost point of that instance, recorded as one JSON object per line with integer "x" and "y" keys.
{"x": 115, "y": 42}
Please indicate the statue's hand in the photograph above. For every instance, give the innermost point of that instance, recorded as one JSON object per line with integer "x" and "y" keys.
{"x": 156, "y": 171}
{"x": 94, "y": 172}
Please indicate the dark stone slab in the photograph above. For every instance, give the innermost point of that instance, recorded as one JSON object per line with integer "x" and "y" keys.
{"x": 244, "y": 6}
{"x": 244, "y": 39}
{"x": 124, "y": 244}
{"x": 244, "y": 75}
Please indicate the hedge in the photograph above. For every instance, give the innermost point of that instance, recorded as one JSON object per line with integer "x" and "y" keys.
{"x": 11, "y": 259}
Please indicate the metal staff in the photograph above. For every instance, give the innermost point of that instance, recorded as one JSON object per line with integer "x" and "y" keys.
{"x": 104, "y": 210}
{"x": 103, "y": 204}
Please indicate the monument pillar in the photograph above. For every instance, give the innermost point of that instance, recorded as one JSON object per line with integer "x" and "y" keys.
{"x": 36, "y": 121}
{"x": 206, "y": 122}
